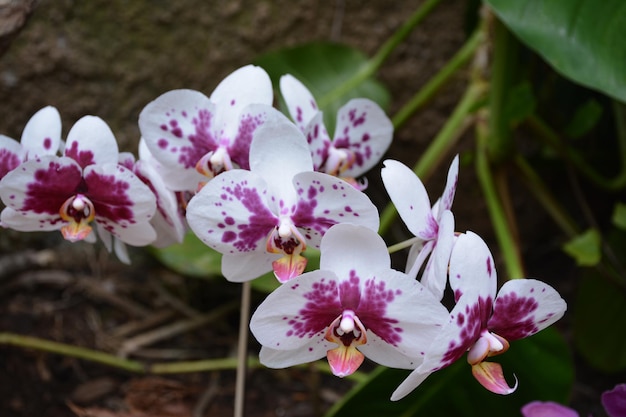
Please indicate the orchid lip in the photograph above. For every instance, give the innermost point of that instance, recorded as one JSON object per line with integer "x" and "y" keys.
{"x": 347, "y": 332}
{"x": 214, "y": 163}
{"x": 78, "y": 211}
{"x": 339, "y": 161}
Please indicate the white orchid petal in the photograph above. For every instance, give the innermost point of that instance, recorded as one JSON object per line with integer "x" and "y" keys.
{"x": 90, "y": 141}
{"x": 277, "y": 153}
{"x": 409, "y": 196}
{"x": 42, "y": 133}
{"x": 350, "y": 249}
{"x": 300, "y": 102}
{"x": 451, "y": 182}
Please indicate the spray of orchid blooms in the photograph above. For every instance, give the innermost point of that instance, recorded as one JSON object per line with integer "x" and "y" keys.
{"x": 261, "y": 188}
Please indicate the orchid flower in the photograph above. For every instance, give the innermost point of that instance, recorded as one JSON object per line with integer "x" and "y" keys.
{"x": 482, "y": 324}
{"x": 362, "y": 135}
{"x": 195, "y": 137}
{"x": 41, "y": 136}
{"x": 168, "y": 220}
{"x": 85, "y": 185}
{"x": 432, "y": 226}
{"x": 263, "y": 219}
{"x": 354, "y": 306}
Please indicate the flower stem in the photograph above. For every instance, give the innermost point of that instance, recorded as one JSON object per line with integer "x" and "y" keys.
{"x": 242, "y": 349}
{"x": 456, "y": 124}
{"x": 497, "y": 212}
{"x": 374, "y": 63}
{"x": 402, "y": 245}
{"x": 439, "y": 79}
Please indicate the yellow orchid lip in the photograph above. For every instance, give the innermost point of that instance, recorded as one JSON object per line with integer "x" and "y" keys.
{"x": 78, "y": 211}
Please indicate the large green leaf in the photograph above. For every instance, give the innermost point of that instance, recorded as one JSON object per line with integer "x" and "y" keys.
{"x": 328, "y": 71}
{"x": 582, "y": 39}
{"x": 541, "y": 363}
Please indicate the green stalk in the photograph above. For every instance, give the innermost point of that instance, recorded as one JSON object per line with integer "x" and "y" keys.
{"x": 497, "y": 212}
{"x": 73, "y": 351}
{"x": 441, "y": 144}
{"x": 505, "y": 56}
{"x": 439, "y": 79}
{"x": 374, "y": 63}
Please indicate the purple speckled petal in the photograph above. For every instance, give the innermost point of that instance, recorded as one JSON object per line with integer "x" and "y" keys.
{"x": 409, "y": 196}
{"x": 42, "y": 133}
{"x": 324, "y": 200}
{"x": 300, "y": 102}
{"x": 523, "y": 307}
{"x": 364, "y": 129}
{"x": 41, "y": 185}
{"x": 435, "y": 275}
{"x": 11, "y": 155}
{"x": 123, "y": 204}
{"x": 178, "y": 128}
{"x": 318, "y": 140}
{"x": 251, "y": 119}
{"x": 247, "y": 85}
{"x": 277, "y": 153}
{"x": 231, "y": 214}
{"x": 91, "y": 141}
{"x": 469, "y": 265}
{"x": 445, "y": 202}
{"x": 297, "y": 311}
{"x": 30, "y": 222}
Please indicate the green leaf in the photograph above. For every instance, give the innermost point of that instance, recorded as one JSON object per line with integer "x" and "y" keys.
{"x": 585, "y": 248}
{"x": 542, "y": 364}
{"x": 585, "y": 118}
{"x": 326, "y": 70}
{"x": 191, "y": 257}
{"x": 582, "y": 39}
{"x": 619, "y": 215}
{"x": 598, "y": 322}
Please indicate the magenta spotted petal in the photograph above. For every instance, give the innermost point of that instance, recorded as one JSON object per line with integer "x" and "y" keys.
{"x": 278, "y": 207}
{"x": 481, "y": 322}
{"x": 198, "y": 137}
{"x": 11, "y": 155}
{"x": 90, "y": 141}
{"x": 42, "y": 133}
{"x": 357, "y": 292}
{"x": 362, "y": 135}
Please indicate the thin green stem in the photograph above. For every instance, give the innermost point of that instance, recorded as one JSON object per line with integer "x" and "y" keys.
{"x": 441, "y": 144}
{"x": 242, "y": 349}
{"x": 439, "y": 79}
{"x": 374, "y": 63}
{"x": 497, "y": 212}
{"x": 73, "y": 351}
